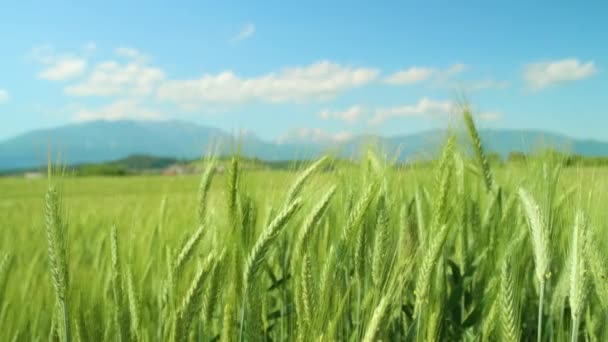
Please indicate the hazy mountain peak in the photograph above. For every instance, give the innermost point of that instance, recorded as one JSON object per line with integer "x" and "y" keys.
{"x": 97, "y": 141}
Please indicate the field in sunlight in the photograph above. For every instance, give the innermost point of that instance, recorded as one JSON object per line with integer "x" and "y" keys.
{"x": 458, "y": 250}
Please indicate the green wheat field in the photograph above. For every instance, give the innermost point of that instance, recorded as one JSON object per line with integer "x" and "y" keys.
{"x": 461, "y": 250}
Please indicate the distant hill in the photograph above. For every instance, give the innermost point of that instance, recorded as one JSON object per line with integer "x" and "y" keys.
{"x": 100, "y": 141}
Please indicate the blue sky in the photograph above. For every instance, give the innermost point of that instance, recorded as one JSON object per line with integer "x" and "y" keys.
{"x": 306, "y": 70}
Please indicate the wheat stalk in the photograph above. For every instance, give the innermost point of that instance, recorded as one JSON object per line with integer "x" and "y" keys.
{"x": 297, "y": 186}
{"x": 314, "y": 218}
{"x": 509, "y": 316}
{"x": 305, "y": 297}
{"x": 578, "y": 276}
{"x": 203, "y": 192}
{"x": 423, "y": 280}
{"x": 121, "y": 315}
{"x": 380, "y": 252}
{"x": 540, "y": 244}
{"x": 5, "y": 266}
{"x": 56, "y": 232}
{"x": 191, "y": 303}
{"x": 212, "y": 294}
{"x": 233, "y": 184}
{"x": 478, "y": 148}
{"x": 133, "y": 306}
{"x": 185, "y": 253}
{"x": 227, "y": 334}
{"x": 260, "y": 248}
{"x": 374, "y": 323}
{"x": 597, "y": 266}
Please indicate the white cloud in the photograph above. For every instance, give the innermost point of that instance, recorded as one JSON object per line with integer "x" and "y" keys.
{"x": 59, "y": 67}
{"x": 64, "y": 68}
{"x": 490, "y": 116}
{"x": 44, "y": 54}
{"x": 313, "y": 135}
{"x": 131, "y": 53}
{"x": 246, "y": 32}
{"x": 4, "y": 97}
{"x": 423, "y": 74}
{"x": 119, "y": 110}
{"x": 350, "y": 115}
{"x": 545, "y": 74}
{"x": 445, "y": 78}
{"x": 410, "y": 76}
{"x": 324, "y": 114}
{"x": 455, "y": 69}
{"x": 112, "y": 78}
{"x": 318, "y": 81}
{"x": 424, "y": 107}
{"x": 90, "y": 47}
{"x": 487, "y": 84}
{"x": 342, "y": 136}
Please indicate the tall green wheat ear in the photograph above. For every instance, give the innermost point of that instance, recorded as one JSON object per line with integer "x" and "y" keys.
{"x": 559, "y": 293}
{"x": 228, "y": 331}
{"x": 381, "y": 242}
{"x": 361, "y": 246}
{"x": 329, "y": 333}
{"x": 314, "y": 217}
{"x": 191, "y": 303}
{"x": 509, "y": 308}
{"x": 81, "y": 332}
{"x": 390, "y": 294}
{"x": 444, "y": 178}
{"x": 121, "y": 313}
{"x": 297, "y": 186}
{"x": 185, "y": 253}
{"x": 447, "y": 157}
{"x": 597, "y": 265}
{"x": 233, "y": 184}
{"x": 162, "y": 213}
{"x": 578, "y": 274}
{"x": 480, "y": 155}
{"x": 377, "y": 316}
{"x": 539, "y": 238}
{"x": 5, "y": 266}
{"x": 311, "y": 221}
{"x": 355, "y": 231}
{"x": 306, "y": 295}
{"x": 328, "y": 275}
{"x": 425, "y": 271}
{"x": 213, "y": 293}
{"x": 540, "y": 244}
{"x": 56, "y": 231}
{"x": 261, "y": 247}
{"x": 133, "y": 307}
{"x": 203, "y": 191}
{"x": 420, "y": 216}
{"x": 357, "y": 215}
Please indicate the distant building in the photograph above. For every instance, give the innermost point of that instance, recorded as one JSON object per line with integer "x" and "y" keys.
{"x": 175, "y": 170}
{"x": 33, "y": 175}
{"x": 220, "y": 169}
{"x": 190, "y": 169}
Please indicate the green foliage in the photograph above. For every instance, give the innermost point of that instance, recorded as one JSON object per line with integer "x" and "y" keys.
{"x": 101, "y": 170}
{"x": 335, "y": 252}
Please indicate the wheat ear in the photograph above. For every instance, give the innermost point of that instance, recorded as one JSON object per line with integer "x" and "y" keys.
{"x": 56, "y": 232}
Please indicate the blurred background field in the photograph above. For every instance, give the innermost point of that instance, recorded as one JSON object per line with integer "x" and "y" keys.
{"x": 155, "y": 213}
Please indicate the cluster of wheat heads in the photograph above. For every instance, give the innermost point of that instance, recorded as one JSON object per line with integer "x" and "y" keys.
{"x": 346, "y": 253}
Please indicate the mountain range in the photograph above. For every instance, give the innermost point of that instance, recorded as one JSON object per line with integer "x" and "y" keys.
{"x": 99, "y": 141}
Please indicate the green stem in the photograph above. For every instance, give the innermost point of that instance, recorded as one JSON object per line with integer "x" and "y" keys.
{"x": 540, "y": 312}
{"x": 575, "y": 329}
{"x": 66, "y": 327}
{"x": 242, "y": 325}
